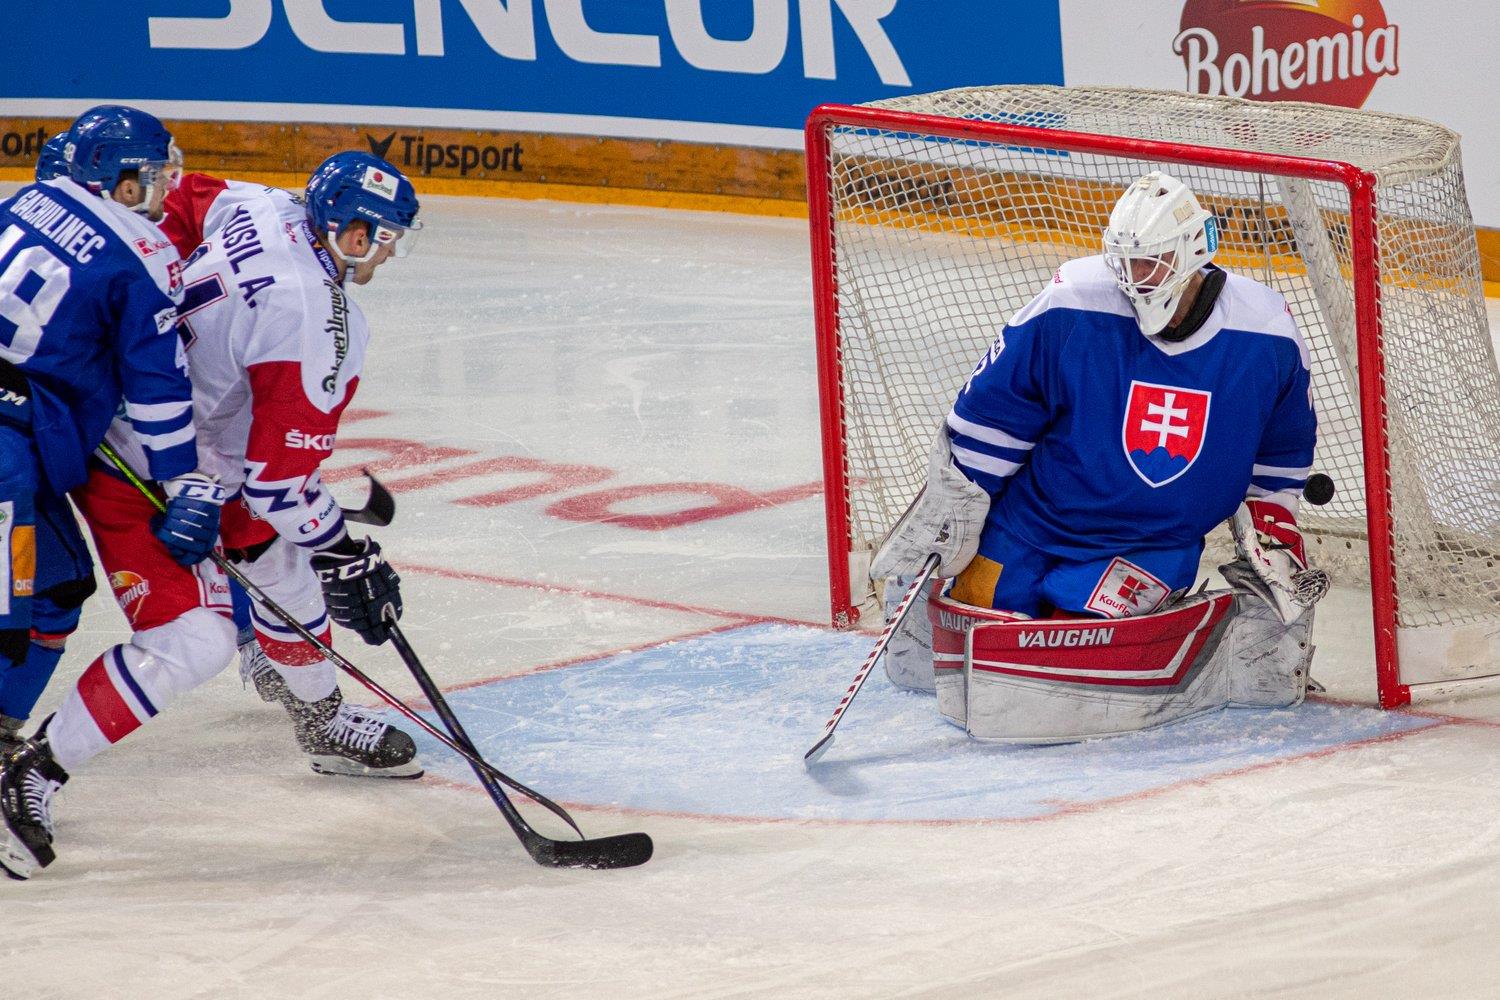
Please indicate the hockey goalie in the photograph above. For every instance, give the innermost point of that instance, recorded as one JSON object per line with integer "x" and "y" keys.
{"x": 1142, "y": 398}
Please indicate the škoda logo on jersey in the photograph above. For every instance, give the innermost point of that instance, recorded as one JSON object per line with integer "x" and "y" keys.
{"x": 1330, "y": 51}
{"x": 130, "y": 590}
{"x": 1163, "y": 430}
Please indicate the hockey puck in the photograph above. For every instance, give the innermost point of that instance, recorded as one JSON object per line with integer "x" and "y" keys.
{"x": 1319, "y": 489}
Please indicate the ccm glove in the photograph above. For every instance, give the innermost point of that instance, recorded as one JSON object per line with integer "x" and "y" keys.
{"x": 360, "y": 588}
{"x": 190, "y": 526}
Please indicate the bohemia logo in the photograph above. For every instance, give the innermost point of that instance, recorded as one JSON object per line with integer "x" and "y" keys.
{"x": 1163, "y": 430}
{"x": 130, "y": 589}
{"x": 1330, "y": 51}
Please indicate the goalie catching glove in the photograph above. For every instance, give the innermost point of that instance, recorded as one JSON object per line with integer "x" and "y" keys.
{"x": 945, "y": 519}
{"x": 1269, "y": 542}
{"x": 361, "y": 589}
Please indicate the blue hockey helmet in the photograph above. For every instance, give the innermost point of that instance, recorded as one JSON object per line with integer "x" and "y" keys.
{"x": 353, "y": 186}
{"x": 53, "y": 160}
{"x": 109, "y": 141}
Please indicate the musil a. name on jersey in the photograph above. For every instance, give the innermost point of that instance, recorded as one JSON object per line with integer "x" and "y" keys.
{"x": 241, "y": 242}
{"x": 1066, "y": 637}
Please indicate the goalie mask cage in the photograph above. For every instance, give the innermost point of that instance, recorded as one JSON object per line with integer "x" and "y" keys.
{"x": 934, "y": 217}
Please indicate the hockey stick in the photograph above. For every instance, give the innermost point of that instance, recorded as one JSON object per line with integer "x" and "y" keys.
{"x": 342, "y": 662}
{"x": 826, "y": 740}
{"x": 624, "y": 850}
{"x": 379, "y": 510}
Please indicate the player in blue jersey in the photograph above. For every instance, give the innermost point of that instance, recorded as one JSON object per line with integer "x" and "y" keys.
{"x": 1142, "y": 398}
{"x": 88, "y": 311}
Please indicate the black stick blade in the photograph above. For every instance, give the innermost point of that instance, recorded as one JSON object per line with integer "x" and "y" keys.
{"x": 379, "y": 510}
{"x": 627, "y": 850}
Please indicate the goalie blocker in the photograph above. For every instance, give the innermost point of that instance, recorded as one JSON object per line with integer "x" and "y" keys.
{"x": 1011, "y": 679}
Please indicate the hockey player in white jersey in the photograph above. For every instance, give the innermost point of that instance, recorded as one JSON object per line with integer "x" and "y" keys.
{"x": 1142, "y": 398}
{"x": 276, "y": 348}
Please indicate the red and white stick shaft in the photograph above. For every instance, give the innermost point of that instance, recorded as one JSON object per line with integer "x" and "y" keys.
{"x": 909, "y": 598}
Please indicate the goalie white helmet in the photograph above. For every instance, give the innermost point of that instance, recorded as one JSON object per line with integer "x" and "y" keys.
{"x": 1158, "y": 237}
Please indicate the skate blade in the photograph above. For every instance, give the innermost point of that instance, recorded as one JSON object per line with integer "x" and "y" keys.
{"x": 343, "y": 767}
{"x": 17, "y": 859}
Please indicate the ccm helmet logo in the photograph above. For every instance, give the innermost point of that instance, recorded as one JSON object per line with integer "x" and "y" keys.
{"x": 309, "y": 442}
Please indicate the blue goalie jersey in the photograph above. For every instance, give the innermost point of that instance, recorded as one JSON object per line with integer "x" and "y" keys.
{"x": 1095, "y": 439}
{"x": 88, "y": 311}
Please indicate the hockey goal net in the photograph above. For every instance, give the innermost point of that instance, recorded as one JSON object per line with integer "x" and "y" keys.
{"x": 935, "y": 217}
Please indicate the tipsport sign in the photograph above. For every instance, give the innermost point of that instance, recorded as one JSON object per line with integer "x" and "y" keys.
{"x": 758, "y": 66}
{"x": 1328, "y": 51}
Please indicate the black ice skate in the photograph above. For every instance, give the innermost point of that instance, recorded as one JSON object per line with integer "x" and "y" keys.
{"x": 257, "y": 670}
{"x": 10, "y": 736}
{"x": 344, "y": 740}
{"x": 28, "y": 780}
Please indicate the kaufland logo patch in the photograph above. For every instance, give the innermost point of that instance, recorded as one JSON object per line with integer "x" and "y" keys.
{"x": 1330, "y": 51}
{"x": 1163, "y": 430}
{"x": 381, "y": 182}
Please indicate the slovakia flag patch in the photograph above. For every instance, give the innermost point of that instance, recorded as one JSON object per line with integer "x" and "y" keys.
{"x": 1163, "y": 430}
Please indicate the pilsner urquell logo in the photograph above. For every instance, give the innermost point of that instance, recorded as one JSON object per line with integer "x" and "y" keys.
{"x": 1330, "y": 51}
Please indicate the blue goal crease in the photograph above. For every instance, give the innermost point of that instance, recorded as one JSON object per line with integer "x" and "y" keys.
{"x": 716, "y": 725}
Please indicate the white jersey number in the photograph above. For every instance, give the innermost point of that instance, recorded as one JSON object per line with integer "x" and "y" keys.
{"x": 28, "y": 317}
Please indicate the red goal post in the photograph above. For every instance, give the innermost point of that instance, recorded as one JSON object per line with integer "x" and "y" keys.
{"x": 931, "y": 218}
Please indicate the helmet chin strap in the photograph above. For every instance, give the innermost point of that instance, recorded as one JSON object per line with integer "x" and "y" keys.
{"x": 1203, "y": 305}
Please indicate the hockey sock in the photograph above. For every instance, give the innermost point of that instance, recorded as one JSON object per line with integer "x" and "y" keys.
{"x": 308, "y": 676}
{"x": 105, "y": 706}
{"x": 21, "y": 686}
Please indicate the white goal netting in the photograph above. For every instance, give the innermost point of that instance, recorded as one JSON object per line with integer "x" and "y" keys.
{"x": 938, "y": 241}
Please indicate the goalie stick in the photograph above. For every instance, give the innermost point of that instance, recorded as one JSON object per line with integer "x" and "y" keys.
{"x": 908, "y": 599}
{"x": 624, "y": 851}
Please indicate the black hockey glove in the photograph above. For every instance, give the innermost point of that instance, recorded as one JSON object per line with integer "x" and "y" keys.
{"x": 358, "y": 587}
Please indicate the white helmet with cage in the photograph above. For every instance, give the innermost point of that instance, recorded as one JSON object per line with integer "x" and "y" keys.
{"x": 1158, "y": 237}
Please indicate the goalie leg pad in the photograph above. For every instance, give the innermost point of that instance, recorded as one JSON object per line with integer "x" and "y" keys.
{"x": 1060, "y": 681}
{"x": 1269, "y": 660}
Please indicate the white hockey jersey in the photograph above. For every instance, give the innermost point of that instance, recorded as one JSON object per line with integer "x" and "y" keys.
{"x": 275, "y": 347}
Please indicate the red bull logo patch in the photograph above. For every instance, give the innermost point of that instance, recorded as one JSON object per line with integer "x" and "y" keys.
{"x": 1330, "y": 51}
{"x": 1163, "y": 430}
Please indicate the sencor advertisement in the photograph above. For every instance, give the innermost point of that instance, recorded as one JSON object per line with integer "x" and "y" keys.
{"x": 744, "y": 71}
{"x": 494, "y": 89}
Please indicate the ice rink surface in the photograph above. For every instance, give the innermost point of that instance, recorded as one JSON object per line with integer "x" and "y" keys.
{"x": 600, "y": 426}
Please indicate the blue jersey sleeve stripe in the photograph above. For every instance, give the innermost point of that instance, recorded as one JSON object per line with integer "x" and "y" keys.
{"x": 1281, "y": 471}
{"x": 156, "y": 428}
{"x": 972, "y": 460}
{"x": 983, "y": 448}
{"x": 1276, "y": 484}
{"x": 161, "y": 442}
{"x": 987, "y": 434}
{"x": 138, "y": 412}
